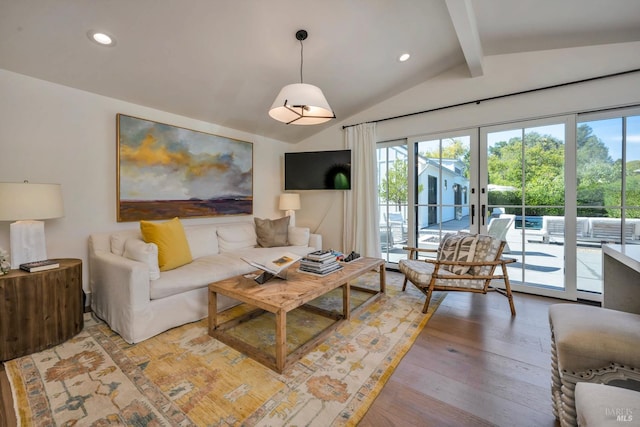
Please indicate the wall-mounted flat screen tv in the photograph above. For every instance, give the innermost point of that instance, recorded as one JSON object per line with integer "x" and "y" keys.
{"x": 317, "y": 170}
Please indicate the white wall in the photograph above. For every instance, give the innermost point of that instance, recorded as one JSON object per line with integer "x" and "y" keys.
{"x": 54, "y": 134}
{"x": 503, "y": 74}
{"x": 51, "y": 133}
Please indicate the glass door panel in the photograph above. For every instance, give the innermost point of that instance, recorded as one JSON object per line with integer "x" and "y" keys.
{"x": 608, "y": 192}
{"x": 524, "y": 171}
{"x": 442, "y": 191}
{"x": 632, "y": 178}
{"x": 555, "y": 190}
{"x": 393, "y": 193}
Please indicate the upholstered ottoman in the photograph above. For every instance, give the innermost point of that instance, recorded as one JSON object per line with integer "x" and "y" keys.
{"x": 602, "y": 405}
{"x": 590, "y": 344}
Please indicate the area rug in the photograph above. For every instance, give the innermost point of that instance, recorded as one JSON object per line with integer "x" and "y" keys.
{"x": 183, "y": 377}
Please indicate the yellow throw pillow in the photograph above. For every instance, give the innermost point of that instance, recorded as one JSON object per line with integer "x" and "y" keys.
{"x": 173, "y": 248}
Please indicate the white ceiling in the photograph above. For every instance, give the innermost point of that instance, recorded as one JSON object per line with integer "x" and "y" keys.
{"x": 224, "y": 61}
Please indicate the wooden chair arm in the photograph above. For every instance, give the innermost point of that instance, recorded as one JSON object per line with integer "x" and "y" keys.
{"x": 413, "y": 252}
{"x": 471, "y": 263}
{"x": 466, "y": 276}
{"x": 409, "y": 248}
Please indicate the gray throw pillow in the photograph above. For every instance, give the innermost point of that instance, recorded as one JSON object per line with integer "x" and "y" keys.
{"x": 458, "y": 247}
{"x": 448, "y": 248}
{"x": 464, "y": 253}
{"x": 272, "y": 232}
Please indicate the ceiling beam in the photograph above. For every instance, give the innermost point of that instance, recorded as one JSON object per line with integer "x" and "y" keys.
{"x": 464, "y": 22}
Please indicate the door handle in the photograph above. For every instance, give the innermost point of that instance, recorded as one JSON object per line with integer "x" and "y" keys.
{"x": 473, "y": 213}
{"x": 483, "y": 213}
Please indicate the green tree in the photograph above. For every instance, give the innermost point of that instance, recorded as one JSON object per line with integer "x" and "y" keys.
{"x": 544, "y": 171}
{"x": 543, "y": 168}
{"x": 455, "y": 150}
{"x": 594, "y": 165}
{"x": 598, "y": 176}
{"x": 394, "y": 186}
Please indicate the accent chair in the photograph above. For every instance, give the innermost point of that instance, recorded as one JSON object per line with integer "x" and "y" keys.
{"x": 463, "y": 262}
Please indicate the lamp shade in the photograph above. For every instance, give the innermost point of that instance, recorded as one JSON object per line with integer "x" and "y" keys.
{"x": 289, "y": 201}
{"x": 301, "y": 104}
{"x": 24, "y": 201}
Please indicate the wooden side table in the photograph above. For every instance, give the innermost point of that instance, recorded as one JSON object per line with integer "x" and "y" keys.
{"x": 40, "y": 310}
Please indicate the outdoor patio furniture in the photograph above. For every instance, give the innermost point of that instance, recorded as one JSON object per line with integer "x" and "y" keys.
{"x": 554, "y": 226}
{"x": 397, "y": 224}
{"x": 386, "y": 238}
{"x": 591, "y": 344}
{"x": 465, "y": 262}
{"x": 498, "y": 228}
{"x": 610, "y": 229}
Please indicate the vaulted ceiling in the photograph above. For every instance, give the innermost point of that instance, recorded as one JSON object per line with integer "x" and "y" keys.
{"x": 224, "y": 61}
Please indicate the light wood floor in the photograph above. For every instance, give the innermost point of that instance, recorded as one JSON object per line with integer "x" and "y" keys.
{"x": 473, "y": 365}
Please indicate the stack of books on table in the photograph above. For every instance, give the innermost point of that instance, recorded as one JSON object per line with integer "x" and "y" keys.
{"x": 319, "y": 263}
{"x": 35, "y": 266}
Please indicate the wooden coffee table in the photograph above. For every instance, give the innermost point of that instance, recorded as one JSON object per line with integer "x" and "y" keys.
{"x": 280, "y": 297}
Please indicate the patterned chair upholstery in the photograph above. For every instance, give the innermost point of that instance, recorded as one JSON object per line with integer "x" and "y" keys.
{"x": 465, "y": 262}
{"x": 593, "y": 345}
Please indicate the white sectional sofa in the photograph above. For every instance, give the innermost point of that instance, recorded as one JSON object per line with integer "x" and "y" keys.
{"x": 138, "y": 301}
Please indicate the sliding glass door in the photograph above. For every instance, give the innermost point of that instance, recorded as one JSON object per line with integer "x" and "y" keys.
{"x": 524, "y": 182}
{"x": 571, "y": 184}
{"x": 555, "y": 190}
{"x": 393, "y": 197}
{"x": 443, "y": 168}
{"x": 425, "y": 191}
{"x": 608, "y": 190}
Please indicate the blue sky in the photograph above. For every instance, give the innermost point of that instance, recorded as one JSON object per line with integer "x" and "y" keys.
{"x": 609, "y": 131}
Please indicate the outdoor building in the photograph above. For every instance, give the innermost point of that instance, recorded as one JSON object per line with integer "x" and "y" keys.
{"x": 442, "y": 178}
{"x": 442, "y": 193}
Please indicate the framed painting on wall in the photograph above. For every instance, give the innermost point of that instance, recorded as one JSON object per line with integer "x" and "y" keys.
{"x": 166, "y": 171}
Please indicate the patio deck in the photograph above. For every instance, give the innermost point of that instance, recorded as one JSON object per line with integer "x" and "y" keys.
{"x": 543, "y": 259}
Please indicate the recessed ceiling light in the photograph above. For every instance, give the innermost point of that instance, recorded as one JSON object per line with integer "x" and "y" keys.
{"x": 404, "y": 57}
{"x": 101, "y": 38}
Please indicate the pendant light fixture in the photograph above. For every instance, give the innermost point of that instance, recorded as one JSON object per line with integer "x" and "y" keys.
{"x": 301, "y": 103}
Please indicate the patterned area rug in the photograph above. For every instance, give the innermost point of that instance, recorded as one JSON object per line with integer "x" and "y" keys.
{"x": 183, "y": 377}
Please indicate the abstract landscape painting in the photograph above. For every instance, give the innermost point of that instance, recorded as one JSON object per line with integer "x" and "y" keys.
{"x": 166, "y": 171}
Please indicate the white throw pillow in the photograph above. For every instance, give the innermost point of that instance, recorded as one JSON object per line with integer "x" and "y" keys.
{"x": 202, "y": 239}
{"x": 147, "y": 253}
{"x": 299, "y": 236}
{"x": 236, "y": 236}
{"x": 119, "y": 238}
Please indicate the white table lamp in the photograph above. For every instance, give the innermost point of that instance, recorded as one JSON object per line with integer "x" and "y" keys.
{"x": 290, "y": 202}
{"x": 25, "y": 203}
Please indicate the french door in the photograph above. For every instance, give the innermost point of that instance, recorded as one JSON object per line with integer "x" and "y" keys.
{"x": 608, "y": 189}
{"x": 393, "y": 199}
{"x": 443, "y": 180}
{"x": 507, "y": 181}
{"x": 426, "y": 189}
{"x": 527, "y": 178}
{"x": 555, "y": 190}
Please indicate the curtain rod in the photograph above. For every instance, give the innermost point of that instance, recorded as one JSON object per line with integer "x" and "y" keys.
{"x": 491, "y": 98}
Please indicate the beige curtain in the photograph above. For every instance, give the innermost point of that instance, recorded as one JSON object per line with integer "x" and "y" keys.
{"x": 361, "y": 217}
